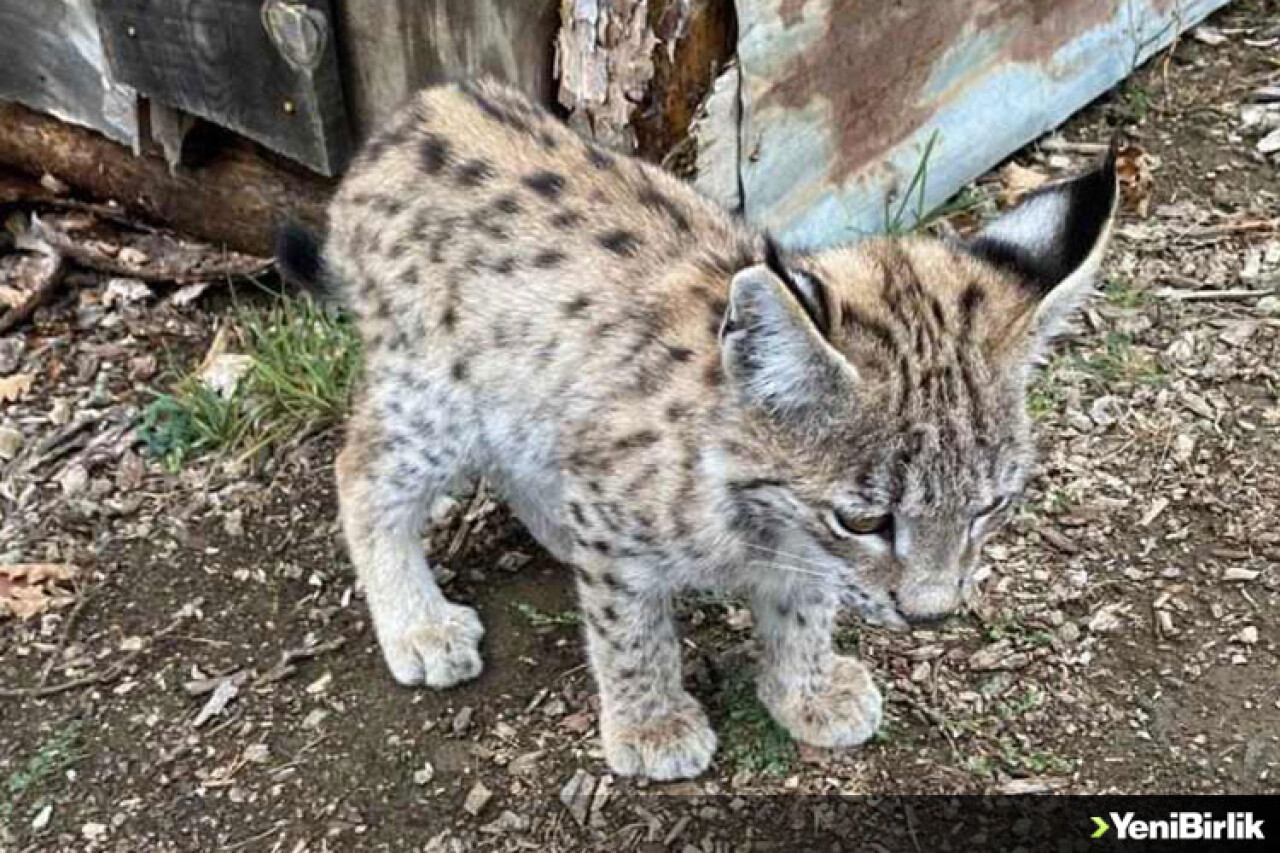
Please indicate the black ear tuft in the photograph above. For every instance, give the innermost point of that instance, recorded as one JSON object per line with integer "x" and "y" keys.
{"x": 804, "y": 286}
{"x": 297, "y": 252}
{"x": 1054, "y": 230}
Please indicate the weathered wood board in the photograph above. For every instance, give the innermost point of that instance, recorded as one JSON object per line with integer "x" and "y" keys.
{"x": 236, "y": 198}
{"x": 51, "y": 59}
{"x": 391, "y": 48}
{"x": 839, "y": 98}
{"x": 266, "y": 70}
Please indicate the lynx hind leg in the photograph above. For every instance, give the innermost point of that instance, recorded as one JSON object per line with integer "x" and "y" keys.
{"x": 388, "y": 475}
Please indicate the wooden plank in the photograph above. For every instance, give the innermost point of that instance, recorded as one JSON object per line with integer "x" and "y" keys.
{"x": 839, "y": 98}
{"x": 266, "y": 70}
{"x": 391, "y": 48}
{"x": 53, "y": 62}
{"x": 235, "y": 198}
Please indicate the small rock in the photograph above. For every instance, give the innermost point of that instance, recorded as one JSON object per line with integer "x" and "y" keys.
{"x": 1269, "y": 305}
{"x": 1105, "y": 410}
{"x": 132, "y": 257}
{"x": 425, "y": 775}
{"x": 1079, "y": 421}
{"x": 1248, "y": 635}
{"x": 578, "y": 722}
{"x": 1199, "y": 405}
{"x": 93, "y": 831}
{"x": 1069, "y": 632}
{"x": 477, "y": 799}
{"x": 1238, "y": 574}
{"x": 126, "y": 291}
{"x": 41, "y": 820}
{"x": 320, "y": 685}
{"x": 1107, "y": 618}
{"x": 576, "y": 795}
{"x": 1270, "y": 143}
{"x": 73, "y": 480}
{"x": 513, "y": 561}
{"x": 921, "y": 671}
{"x": 313, "y": 719}
{"x": 1059, "y": 540}
{"x": 223, "y": 694}
{"x": 507, "y": 822}
{"x": 257, "y": 753}
{"x": 54, "y": 184}
{"x": 1183, "y": 447}
{"x": 10, "y": 354}
{"x": 554, "y": 708}
{"x": 1238, "y": 333}
{"x": 462, "y": 721}
{"x": 525, "y": 764}
{"x": 10, "y": 443}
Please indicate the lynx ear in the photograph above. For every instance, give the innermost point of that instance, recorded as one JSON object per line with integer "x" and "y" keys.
{"x": 1054, "y": 241}
{"x": 773, "y": 349}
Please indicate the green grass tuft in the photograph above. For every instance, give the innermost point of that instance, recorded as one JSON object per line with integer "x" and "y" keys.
{"x": 304, "y": 362}
{"x": 53, "y": 756}
{"x": 751, "y": 740}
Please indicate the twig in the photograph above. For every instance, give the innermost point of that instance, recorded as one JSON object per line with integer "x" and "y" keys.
{"x": 108, "y": 675}
{"x": 463, "y": 533}
{"x": 43, "y": 294}
{"x": 1227, "y": 228}
{"x": 67, "y": 628}
{"x": 286, "y": 667}
{"x": 1057, "y": 145}
{"x": 1211, "y": 295}
{"x": 83, "y": 256}
{"x": 239, "y": 845}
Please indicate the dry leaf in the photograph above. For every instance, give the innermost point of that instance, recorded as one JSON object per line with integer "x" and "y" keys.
{"x": 15, "y": 386}
{"x": 1133, "y": 169}
{"x": 12, "y": 296}
{"x": 221, "y": 370}
{"x": 1018, "y": 181}
{"x": 29, "y": 589}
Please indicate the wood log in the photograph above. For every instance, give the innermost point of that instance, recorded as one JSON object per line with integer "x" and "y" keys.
{"x": 236, "y": 197}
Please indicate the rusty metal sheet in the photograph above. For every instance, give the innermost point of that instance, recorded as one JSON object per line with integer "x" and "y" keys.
{"x": 839, "y": 99}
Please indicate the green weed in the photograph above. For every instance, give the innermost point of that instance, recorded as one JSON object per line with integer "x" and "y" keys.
{"x": 751, "y": 739}
{"x": 304, "y": 358}
{"x": 56, "y": 754}
{"x": 540, "y": 619}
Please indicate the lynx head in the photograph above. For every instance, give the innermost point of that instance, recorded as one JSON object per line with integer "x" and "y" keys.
{"x": 882, "y": 388}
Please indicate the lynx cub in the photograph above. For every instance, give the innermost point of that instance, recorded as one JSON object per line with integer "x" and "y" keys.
{"x": 669, "y": 401}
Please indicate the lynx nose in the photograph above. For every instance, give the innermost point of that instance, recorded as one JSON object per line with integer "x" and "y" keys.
{"x": 928, "y": 605}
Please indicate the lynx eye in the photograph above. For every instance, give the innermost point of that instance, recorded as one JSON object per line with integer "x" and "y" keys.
{"x": 845, "y": 524}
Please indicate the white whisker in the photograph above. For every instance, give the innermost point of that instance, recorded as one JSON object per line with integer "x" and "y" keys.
{"x": 822, "y": 578}
{"x": 774, "y": 552}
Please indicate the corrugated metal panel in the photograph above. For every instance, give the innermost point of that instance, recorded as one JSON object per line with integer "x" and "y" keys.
{"x": 839, "y": 98}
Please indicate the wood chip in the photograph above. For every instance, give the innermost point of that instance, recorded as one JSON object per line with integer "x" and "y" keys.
{"x": 477, "y": 798}
{"x": 222, "y": 696}
{"x": 576, "y": 795}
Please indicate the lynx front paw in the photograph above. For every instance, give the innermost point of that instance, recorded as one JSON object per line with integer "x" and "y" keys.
{"x": 675, "y": 745}
{"x": 438, "y": 648}
{"x": 846, "y": 712}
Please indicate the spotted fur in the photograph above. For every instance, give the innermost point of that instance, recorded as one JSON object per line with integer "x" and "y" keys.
{"x": 669, "y": 401}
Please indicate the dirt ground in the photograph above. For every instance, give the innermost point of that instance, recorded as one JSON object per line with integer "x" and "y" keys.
{"x": 1126, "y": 639}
